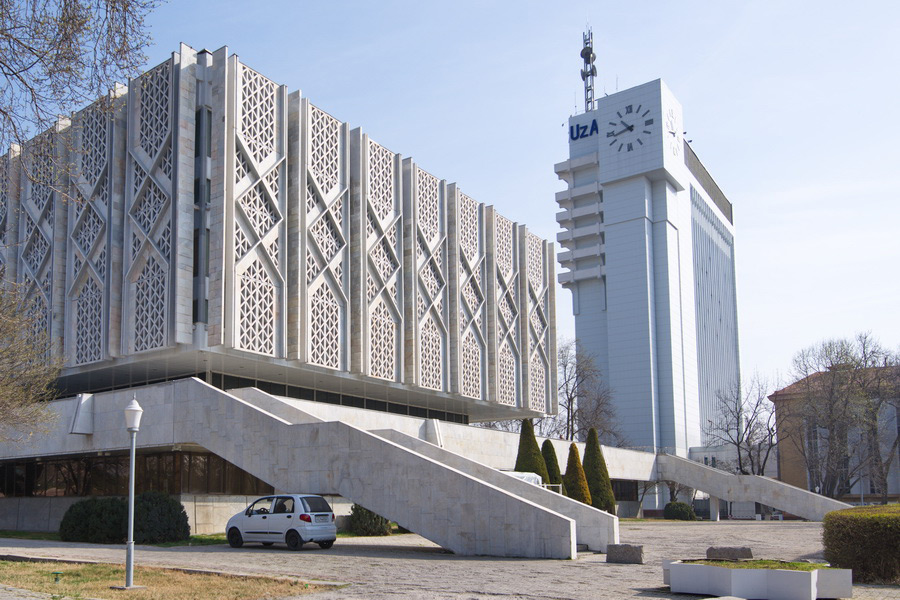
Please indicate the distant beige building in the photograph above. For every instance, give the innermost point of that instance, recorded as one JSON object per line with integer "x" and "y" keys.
{"x": 799, "y": 442}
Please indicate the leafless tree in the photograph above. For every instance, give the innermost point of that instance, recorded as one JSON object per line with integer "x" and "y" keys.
{"x": 57, "y": 55}
{"x": 644, "y": 488}
{"x": 680, "y": 490}
{"x": 745, "y": 423}
{"x": 28, "y": 370}
{"x": 584, "y": 399}
{"x": 843, "y": 389}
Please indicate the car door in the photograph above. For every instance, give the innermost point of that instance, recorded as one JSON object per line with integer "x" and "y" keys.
{"x": 282, "y": 518}
{"x": 256, "y": 520}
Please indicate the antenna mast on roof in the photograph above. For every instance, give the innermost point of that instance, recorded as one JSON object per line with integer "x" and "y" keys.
{"x": 589, "y": 71}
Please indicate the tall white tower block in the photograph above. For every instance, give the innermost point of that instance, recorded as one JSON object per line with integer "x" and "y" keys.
{"x": 649, "y": 258}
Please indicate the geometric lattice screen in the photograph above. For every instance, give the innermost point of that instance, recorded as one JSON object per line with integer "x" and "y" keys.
{"x": 36, "y": 220}
{"x": 472, "y": 293}
{"x": 259, "y": 208}
{"x": 5, "y": 207}
{"x": 327, "y": 231}
{"x": 148, "y": 252}
{"x": 507, "y": 309}
{"x": 383, "y": 259}
{"x": 429, "y": 294}
{"x": 88, "y": 256}
{"x": 538, "y": 324}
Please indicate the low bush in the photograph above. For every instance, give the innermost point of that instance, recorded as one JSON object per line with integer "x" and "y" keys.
{"x": 864, "y": 539}
{"x": 364, "y": 522}
{"x": 680, "y": 511}
{"x": 158, "y": 518}
{"x": 95, "y": 520}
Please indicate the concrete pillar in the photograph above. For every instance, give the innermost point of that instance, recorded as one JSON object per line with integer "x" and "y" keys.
{"x": 713, "y": 508}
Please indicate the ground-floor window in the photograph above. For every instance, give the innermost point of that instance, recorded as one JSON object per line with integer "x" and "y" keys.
{"x": 107, "y": 475}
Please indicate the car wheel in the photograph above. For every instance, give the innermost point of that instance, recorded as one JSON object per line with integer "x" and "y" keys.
{"x": 293, "y": 540}
{"x": 234, "y": 538}
{"x": 267, "y": 543}
{"x": 326, "y": 545}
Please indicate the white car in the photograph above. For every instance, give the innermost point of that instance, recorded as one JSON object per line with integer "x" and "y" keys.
{"x": 294, "y": 519}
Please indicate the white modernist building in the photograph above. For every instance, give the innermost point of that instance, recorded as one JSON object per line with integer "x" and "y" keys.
{"x": 224, "y": 228}
{"x": 649, "y": 259}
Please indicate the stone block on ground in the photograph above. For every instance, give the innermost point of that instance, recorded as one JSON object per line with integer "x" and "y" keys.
{"x": 632, "y": 554}
{"x": 728, "y": 552}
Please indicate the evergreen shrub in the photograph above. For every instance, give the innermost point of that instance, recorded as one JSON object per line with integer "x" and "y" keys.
{"x": 597, "y": 475}
{"x": 529, "y": 459}
{"x": 680, "y": 511}
{"x": 364, "y": 522}
{"x": 158, "y": 518}
{"x": 96, "y": 521}
{"x": 574, "y": 480}
{"x": 552, "y": 463}
{"x": 865, "y": 539}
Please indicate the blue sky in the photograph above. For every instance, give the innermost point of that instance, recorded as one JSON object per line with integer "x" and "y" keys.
{"x": 792, "y": 106}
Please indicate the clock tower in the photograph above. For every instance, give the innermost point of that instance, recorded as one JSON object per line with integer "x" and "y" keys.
{"x": 648, "y": 256}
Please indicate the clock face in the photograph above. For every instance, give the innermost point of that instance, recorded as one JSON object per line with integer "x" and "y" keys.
{"x": 631, "y": 128}
{"x": 672, "y": 133}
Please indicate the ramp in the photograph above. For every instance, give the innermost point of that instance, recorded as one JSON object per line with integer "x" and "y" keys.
{"x": 746, "y": 488}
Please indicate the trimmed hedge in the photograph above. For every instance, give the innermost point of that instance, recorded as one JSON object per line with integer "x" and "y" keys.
{"x": 865, "y": 539}
{"x": 364, "y": 522}
{"x": 95, "y": 520}
{"x": 529, "y": 459}
{"x": 679, "y": 511}
{"x": 158, "y": 518}
{"x": 575, "y": 484}
{"x": 597, "y": 475}
{"x": 552, "y": 463}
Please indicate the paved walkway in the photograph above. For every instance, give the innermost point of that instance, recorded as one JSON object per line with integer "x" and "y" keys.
{"x": 408, "y": 566}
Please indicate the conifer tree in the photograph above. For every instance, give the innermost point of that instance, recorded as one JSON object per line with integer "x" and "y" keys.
{"x": 597, "y": 475}
{"x": 576, "y": 484}
{"x": 551, "y": 461}
{"x": 530, "y": 459}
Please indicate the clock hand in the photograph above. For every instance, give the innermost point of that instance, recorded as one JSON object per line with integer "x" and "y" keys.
{"x": 627, "y": 126}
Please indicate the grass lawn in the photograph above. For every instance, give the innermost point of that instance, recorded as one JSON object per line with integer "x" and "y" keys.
{"x": 760, "y": 564}
{"x": 94, "y": 581}
{"x": 53, "y": 536}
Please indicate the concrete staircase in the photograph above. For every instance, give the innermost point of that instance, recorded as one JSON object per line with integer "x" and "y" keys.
{"x": 594, "y": 529}
{"x": 291, "y": 450}
{"x": 749, "y": 488}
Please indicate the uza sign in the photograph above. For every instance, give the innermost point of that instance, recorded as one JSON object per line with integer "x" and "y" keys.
{"x": 579, "y": 132}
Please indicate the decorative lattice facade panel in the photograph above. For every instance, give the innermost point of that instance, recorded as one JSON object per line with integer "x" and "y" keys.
{"x": 37, "y": 250}
{"x": 86, "y": 304}
{"x": 428, "y": 295}
{"x": 149, "y": 210}
{"x": 383, "y": 249}
{"x": 536, "y": 329}
{"x": 325, "y": 236}
{"x": 472, "y": 293}
{"x": 507, "y": 307}
{"x": 5, "y": 206}
{"x": 257, "y": 143}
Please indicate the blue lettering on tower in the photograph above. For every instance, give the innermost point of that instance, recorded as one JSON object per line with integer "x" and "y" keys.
{"x": 579, "y": 132}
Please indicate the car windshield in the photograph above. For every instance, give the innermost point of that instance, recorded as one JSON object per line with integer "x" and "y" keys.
{"x": 316, "y": 504}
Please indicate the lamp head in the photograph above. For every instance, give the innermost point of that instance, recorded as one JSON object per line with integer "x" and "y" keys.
{"x": 133, "y": 414}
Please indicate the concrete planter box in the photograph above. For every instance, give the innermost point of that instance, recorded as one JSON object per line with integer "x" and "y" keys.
{"x": 770, "y": 584}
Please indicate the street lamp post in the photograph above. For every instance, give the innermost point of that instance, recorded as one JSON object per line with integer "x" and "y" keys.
{"x": 133, "y": 414}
